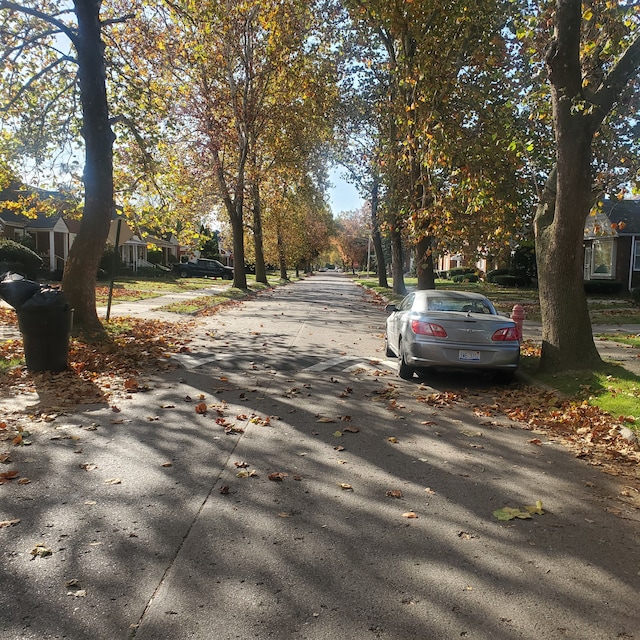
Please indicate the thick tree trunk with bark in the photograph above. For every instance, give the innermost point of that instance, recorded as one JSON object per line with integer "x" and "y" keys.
{"x": 282, "y": 258}
{"x": 377, "y": 238}
{"x": 261, "y": 271}
{"x": 80, "y": 272}
{"x": 397, "y": 262}
{"x": 567, "y": 340}
{"x": 424, "y": 264}
{"x": 237, "y": 227}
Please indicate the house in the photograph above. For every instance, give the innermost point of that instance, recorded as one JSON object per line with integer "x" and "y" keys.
{"x": 50, "y": 236}
{"x": 612, "y": 244}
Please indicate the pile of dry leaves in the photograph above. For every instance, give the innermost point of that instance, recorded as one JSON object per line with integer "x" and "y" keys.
{"x": 98, "y": 369}
{"x": 593, "y": 434}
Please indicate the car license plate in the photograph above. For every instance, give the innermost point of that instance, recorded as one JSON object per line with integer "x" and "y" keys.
{"x": 469, "y": 355}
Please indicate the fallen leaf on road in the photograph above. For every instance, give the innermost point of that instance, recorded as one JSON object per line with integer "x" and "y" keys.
{"x": 430, "y": 491}
{"x": 394, "y": 493}
{"x": 201, "y": 408}
{"x": 131, "y": 384}
{"x": 345, "y": 486}
{"x": 246, "y": 474}
{"x": 278, "y": 476}
{"x": 537, "y": 509}
{"x": 507, "y": 513}
{"x": 113, "y": 481}
{"x": 40, "y": 551}
{"x": 351, "y": 429}
{"x": 393, "y": 439}
{"x": 8, "y": 523}
{"x": 410, "y": 514}
{"x": 535, "y": 441}
{"x": 337, "y": 434}
{"x": 325, "y": 420}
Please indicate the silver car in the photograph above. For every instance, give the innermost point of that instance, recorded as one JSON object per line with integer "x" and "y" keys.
{"x": 454, "y": 329}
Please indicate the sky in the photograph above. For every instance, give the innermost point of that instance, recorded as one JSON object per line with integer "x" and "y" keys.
{"x": 343, "y": 196}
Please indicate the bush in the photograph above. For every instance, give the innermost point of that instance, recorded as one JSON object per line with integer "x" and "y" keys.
{"x": 19, "y": 259}
{"x": 496, "y": 272}
{"x": 509, "y": 280}
{"x": 602, "y": 286}
{"x": 459, "y": 271}
{"x": 154, "y": 256}
{"x": 466, "y": 277}
{"x": 523, "y": 260}
{"x": 106, "y": 262}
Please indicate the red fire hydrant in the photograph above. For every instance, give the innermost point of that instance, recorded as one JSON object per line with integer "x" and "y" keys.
{"x": 517, "y": 315}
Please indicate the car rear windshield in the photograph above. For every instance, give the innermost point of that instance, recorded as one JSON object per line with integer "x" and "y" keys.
{"x": 459, "y": 304}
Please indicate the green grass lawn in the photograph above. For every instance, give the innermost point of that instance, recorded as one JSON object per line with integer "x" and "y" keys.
{"x": 130, "y": 289}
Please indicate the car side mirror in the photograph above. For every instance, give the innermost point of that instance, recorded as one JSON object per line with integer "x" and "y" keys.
{"x": 390, "y": 308}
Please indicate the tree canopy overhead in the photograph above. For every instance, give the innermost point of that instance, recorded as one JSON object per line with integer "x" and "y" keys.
{"x": 455, "y": 119}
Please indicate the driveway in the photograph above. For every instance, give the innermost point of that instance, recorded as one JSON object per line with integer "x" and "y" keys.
{"x": 284, "y": 483}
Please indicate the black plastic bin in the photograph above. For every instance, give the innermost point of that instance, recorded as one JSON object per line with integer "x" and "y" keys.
{"x": 45, "y": 320}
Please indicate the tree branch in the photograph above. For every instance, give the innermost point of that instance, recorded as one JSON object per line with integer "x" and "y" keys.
{"x": 25, "y": 87}
{"x": 609, "y": 91}
{"x": 70, "y": 33}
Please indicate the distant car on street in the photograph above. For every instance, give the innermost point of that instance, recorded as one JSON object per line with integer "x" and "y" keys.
{"x": 453, "y": 329}
{"x": 203, "y": 268}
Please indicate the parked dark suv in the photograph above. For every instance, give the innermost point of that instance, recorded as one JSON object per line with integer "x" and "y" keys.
{"x": 203, "y": 268}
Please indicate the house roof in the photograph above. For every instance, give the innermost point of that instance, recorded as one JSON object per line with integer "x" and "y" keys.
{"x": 616, "y": 218}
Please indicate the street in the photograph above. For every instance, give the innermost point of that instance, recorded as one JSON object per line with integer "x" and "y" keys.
{"x": 282, "y": 482}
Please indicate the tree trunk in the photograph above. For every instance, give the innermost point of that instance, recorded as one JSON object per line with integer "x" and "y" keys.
{"x": 397, "y": 262}
{"x": 79, "y": 279}
{"x": 281, "y": 255}
{"x": 567, "y": 339}
{"x": 377, "y": 238}
{"x": 424, "y": 264}
{"x": 237, "y": 226}
{"x": 261, "y": 271}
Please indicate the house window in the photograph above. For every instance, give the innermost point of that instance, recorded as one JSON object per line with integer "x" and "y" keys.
{"x": 602, "y": 265}
{"x": 636, "y": 254}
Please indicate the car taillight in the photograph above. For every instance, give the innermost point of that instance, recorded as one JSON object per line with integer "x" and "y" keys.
{"x": 428, "y": 329}
{"x": 506, "y": 334}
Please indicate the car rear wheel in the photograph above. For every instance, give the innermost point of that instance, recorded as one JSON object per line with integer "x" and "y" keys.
{"x": 404, "y": 370}
{"x": 183, "y": 274}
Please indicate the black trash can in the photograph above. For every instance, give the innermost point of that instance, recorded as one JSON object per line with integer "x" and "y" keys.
{"x": 45, "y": 321}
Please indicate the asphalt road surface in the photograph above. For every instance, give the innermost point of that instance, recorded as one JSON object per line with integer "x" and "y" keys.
{"x": 319, "y": 497}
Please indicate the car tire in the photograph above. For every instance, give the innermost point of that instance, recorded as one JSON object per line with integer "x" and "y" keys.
{"x": 183, "y": 274}
{"x": 387, "y": 349}
{"x": 404, "y": 370}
